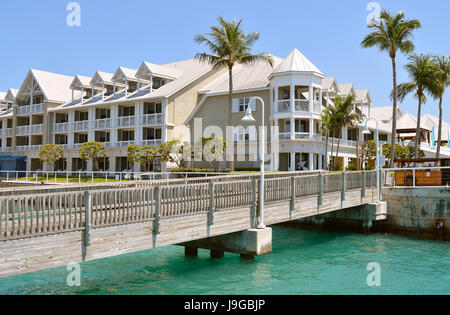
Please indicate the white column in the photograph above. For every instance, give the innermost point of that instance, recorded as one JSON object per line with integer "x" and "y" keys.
{"x": 320, "y": 99}
{"x": 151, "y": 83}
{"x": 311, "y": 128}
{"x": 138, "y": 133}
{"x": 292, "y": 98}
{"x": 311, "y": 161}
{"x": 272, "y": 107}
{"x": 276, "y": 99}
{"x": 81, "y": 97}
{"x": 292, "y": 128}
{"x": 73, "y": 95}
{"x": 103, "y": 91}
{"x": 292, "y": 159}
{"x": 164, "y": 127}
{"x": 114, "y": 88}
{"x": 311, "y": 98}
{"x": 126, "y": 87}
{"x": 114, "y": 114}
{"x": 91, "y": 133}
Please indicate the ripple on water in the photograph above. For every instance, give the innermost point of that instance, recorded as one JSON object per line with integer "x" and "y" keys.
{"x": 302, "y": 262}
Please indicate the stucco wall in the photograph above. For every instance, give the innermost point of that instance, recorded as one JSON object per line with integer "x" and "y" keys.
{"x": 420, "y": 211}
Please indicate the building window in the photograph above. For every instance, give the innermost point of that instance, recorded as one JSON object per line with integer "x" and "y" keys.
{"x": 243, "y": 104}
{"x": 126, "y": 135}
{"x": 125, "y": 111}
{"x": 152, "y": 134}
{"x": 152, "y": 108}
{"x": 102, "y": 113}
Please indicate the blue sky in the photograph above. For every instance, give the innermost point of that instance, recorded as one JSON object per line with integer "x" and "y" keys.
{"x": 124, "y": 33}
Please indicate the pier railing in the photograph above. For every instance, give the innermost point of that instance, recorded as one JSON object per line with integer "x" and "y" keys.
{"x": 23, "y": 216}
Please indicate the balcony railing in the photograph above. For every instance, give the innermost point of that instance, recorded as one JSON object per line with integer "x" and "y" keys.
{"x": 5, "y": 150}
{"x": 81, "y": 125}
{"x": 62, "y": 127}
{"x": 29, "y": 130}
{"x": 30, "y": 109}
{"x": 156, "y": 143}
{"x": 126, "y": 122}
{"x": 302, "y": 106}
{"x": 106, "y": 123}
{"x": 22, "y": 148}
{"x": 284, "y": 106}
{"x": 152, "y": 120}
{"x": 302, "y": 136}
{"x": 5, "y": 132}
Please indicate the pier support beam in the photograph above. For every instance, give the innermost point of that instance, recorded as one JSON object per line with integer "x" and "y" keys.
{"x": 248, "y": 243}
{"x": 191, "y": 251}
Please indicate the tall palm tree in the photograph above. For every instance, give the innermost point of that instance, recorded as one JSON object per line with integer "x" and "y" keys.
{"x": 344, "y": 116}
{"x": 228, "y": 45}
{"x": 442, "y": 82}
{"x": 421, "y": 72}
{"x": 392, "y": 34}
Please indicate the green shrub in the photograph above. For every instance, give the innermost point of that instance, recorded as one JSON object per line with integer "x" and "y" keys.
{"x": 351, "y": 168}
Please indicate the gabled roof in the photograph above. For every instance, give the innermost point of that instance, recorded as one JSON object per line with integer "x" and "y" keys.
{"x": 363, "y": 95}
{"x": 244, "y": 78}
{"x": 431, "y": 121}
{"x": 102, "y": 77}
{"x": 329, "y": 84}
{"x": 409, "y": 122}
{"x": 123, "y": 73}
{"x": 347, "y": 89}
{"x": 297, "y": 62}
{"x": 147, "y": 69}
{"x": 55, "y": 87}
{"x": 11, "y": 95}
{"x": 191, "y": 70}
{"x": 81, "y": 81}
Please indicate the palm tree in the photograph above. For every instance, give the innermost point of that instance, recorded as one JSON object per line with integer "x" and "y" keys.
{"x": 391, "y": 34}
{"x": 442, "y": 81}
{"x": 326, "y": 127}
{"x": 421, "y": 72}
{"x": 228, "y": 46}
{"x": 344, "y": 116}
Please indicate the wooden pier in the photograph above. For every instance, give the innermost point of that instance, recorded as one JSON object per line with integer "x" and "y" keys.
{"x": 50, "y": 229}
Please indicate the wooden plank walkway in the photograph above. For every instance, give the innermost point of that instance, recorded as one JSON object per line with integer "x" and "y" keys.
{"x": 49, "y": 230}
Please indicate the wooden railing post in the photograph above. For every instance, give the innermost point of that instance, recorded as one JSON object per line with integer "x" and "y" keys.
{"x": 363, "y": 189}
{"x": 344, "y": 185}
{"x": 157, "y": 209}
{"x": 254, "y": 204}
{"x": 292, "y": 204}
{"x": 320, "y": 199}
{"x": 211, "y": 203}
{"x": 88, "y": 216}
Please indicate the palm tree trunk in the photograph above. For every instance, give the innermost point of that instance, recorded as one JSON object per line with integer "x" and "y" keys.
{"x": 418, "y": 132}
{"x": 326, "y": 151}
{"x": 394, "y": 114}
{"x": 438, "y": 150}
{"x": 230, "y": 113}
{"x": 337, "y": 154}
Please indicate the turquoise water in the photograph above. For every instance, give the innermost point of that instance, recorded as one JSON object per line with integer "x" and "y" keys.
{"x": 302, "y": 262}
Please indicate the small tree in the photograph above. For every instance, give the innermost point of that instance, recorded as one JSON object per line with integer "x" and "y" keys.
{"x": 92, "y": 151}
{"x": 142, "y": 154}
{"x": 175, "y": 151}
{"x": 213, "y": 149}
{"x": 401, "y": 152}
{"x": 367, "y": 151}
{"x": 50, "y": 154}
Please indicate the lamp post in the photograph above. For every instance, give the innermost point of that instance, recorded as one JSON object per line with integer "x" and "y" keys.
{"x": 249, "y": 118}
{"x": 367, "y": 132}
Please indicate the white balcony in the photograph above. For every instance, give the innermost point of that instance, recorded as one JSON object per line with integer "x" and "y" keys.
{"x": 126, "y": 122}
{"x": 75, "y": 146}
{"x": 101, "y": 124}
{"x": 28, "y": 148}
{"x": 302, "y": 136}
{"x": 62, "y": 127}
{"x": 29, "y": 130}
{"x": 317, "y": 107}
{"x": 284, "y": 106}
{"x": 30, "y": 109}
{"x": 5, "y": 132}
{"x": 152, "y": 120}
{"x": 5, "y": 150}
{"x": 156, "y": 143}
{"x": 302, "y": 106}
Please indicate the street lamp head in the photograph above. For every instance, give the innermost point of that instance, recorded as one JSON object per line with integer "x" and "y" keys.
{"x": 366, "y": 132}
{"x": 248, "y": 115}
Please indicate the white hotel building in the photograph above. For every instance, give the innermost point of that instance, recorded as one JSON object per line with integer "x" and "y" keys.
{"x": 157, "y": 103}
